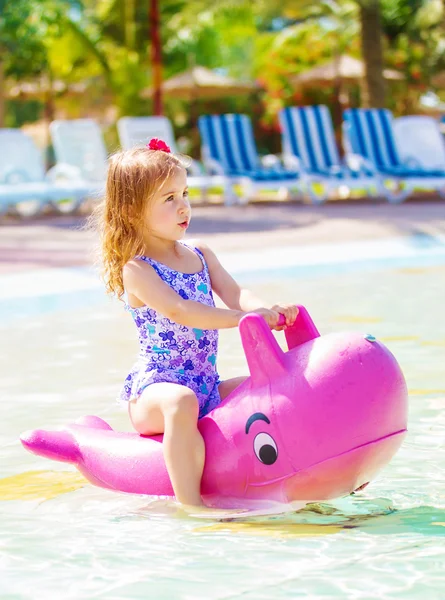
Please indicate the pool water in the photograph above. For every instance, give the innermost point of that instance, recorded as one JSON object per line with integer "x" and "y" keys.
{"x": 62, "y": 538}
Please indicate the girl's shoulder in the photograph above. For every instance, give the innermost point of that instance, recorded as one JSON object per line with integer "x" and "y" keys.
{"x": 192, "y": 243}
{"x": 200, "y": 247}
{"x": 138, "y": 275}
{"x": 211, "y": 261}
{"x": 138, "y": 262}
{"x": 197, "y": 244}
{"x": 205, "y": 250}
{"x": 135, "y": 267}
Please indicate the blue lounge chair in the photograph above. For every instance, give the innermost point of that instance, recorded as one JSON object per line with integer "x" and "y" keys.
{"x": 23, "y": 178}
{"x": 369, "y": 132}
{"x": 137, "y": 131}
{"x": 228, "y": 146}
{"x": 308, "y": 134}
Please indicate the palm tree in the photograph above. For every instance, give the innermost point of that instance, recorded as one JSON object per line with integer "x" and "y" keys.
{"x": 2, "y": 95}
{"x": 26, "y": 38}
{"x": 21, "y": 48}
{"x": 156, "y": 56}
{"x": 372, "y": 53}
{"x": 371, "y": 33}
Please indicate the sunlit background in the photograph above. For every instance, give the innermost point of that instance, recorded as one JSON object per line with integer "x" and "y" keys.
{"x": 70, "y": 73}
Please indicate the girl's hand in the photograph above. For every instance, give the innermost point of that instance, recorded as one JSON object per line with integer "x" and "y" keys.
{"x": 289, "y": 311}
{"x": 270, "y": 315}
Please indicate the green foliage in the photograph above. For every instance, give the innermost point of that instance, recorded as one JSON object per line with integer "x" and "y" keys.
{"x": 20, "y": 113}
{"x": 108, "y": 41}
{"x": 22, "y": 31}
{"x": 415, "y": 41}
{"x": 45, "y": 36}
{"x": 399, "y": 16}
{"x": 329, "y": 28}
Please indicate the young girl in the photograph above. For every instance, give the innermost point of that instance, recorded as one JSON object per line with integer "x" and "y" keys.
{"x": 168, "y": 287}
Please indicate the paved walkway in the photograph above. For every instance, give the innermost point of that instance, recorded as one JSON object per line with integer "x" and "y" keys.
{"x": 63, "y": 241}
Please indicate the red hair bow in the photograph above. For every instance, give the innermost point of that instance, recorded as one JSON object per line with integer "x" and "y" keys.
{"x": 155, "y": 144}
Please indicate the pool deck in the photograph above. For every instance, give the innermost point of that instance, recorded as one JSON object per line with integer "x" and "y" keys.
{"x": 61, "y": 241}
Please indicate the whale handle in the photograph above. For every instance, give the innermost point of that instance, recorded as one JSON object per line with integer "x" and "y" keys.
{"x": 303, "y": 330}
{"x": 264, "y": 356}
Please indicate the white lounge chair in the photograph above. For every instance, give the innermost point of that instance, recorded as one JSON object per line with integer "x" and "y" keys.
{"x": 228, "y": 145}
{"x": 79, "y": 143}
{"x": 419, "y": 139}
{"x": 23, "y": 179}
{"x": 308, "y": 134}
{"x": 370, "y": 133}
{"x": 137, "y": 131}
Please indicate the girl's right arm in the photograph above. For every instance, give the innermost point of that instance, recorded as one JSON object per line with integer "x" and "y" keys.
{"x": 141, "y": 280}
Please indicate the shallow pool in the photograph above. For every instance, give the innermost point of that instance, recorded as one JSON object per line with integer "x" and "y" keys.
{"x": 67, "y": 354}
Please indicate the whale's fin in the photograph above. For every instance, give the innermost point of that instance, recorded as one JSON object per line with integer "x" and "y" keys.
{"x": 93, "y": 422}
{"x": 57, "y": 445}
{"x": 264, "y": 356}
{"x": 303, "y": 330}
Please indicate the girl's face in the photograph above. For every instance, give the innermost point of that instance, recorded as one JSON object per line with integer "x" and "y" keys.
{"x": 168, "y": 213}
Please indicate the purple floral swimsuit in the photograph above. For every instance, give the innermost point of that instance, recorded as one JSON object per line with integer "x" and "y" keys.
{"x": 174, "y": 353}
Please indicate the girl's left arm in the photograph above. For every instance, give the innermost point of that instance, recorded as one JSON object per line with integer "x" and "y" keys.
{"x": 234, "y": 296}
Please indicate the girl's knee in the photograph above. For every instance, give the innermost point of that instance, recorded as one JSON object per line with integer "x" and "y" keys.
{"x": 182, "y": 406}
{"x": 146, "y": 418}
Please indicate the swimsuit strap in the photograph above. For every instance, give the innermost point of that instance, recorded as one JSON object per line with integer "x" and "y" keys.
{"x": 158, "y": 266}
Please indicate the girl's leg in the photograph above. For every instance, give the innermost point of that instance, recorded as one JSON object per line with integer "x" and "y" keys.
{"x": 173, "y": 410}
{"x": 226, "y": 387}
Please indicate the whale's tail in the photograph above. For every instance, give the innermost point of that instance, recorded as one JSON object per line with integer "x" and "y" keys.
{"x": 57, "y": 445}
{"x": 60, "y": 445}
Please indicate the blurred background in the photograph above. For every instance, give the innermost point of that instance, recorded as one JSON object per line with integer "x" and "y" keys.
{"x": 69, "y": 59}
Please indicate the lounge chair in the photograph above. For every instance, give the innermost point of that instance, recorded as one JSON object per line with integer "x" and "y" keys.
{"x": 419, "y": 139}
{"x": 228, "y": 146}
{"x": 23, "y": 178}
{"x": 370, "y": 133}
{"x": 79, "y": 143}
{"x": 308, "y": 134}
{"x": 137, "y": 131}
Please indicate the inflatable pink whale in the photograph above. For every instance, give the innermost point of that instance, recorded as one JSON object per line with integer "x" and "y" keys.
{"x": 311, "y": 424}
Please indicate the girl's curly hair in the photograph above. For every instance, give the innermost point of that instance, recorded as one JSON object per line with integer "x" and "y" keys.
{"x": 133, "y": 178}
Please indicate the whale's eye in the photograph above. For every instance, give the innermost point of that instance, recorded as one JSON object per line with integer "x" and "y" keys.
{"x": 265, "y": 448}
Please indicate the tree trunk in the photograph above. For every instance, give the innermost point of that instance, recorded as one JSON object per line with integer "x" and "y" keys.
{"x": 2, "y": 95}
{"x": 156, "y": 56}
{"x": 129, "y": 7}
{"x": 49, "y": 112}
{"x": 337, "y": 113}
{"x": 372, "y": 53}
